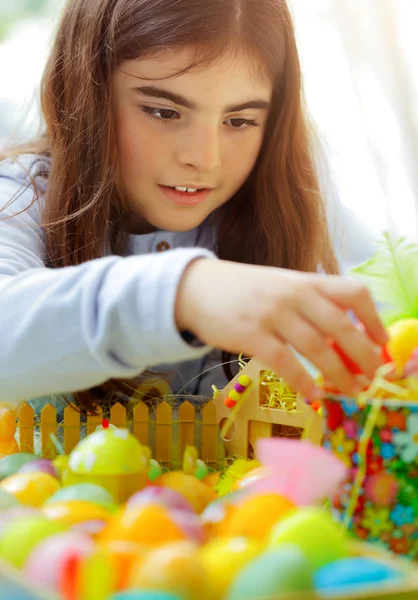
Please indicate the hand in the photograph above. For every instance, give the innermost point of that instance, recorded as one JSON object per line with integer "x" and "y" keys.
{"x": 260, "y": 311}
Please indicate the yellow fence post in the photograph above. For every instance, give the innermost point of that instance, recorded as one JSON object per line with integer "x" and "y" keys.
{"x": 187, "y": 426}
{"x": 71, "y": 429}
{"x": 26, "y": 426}
{"x": 118, "y": 415}
{"x": 93, "y": 422}
{"x": 209, "y": 434}
{"x": 48, "y": 427}
{"x": 163, "y": 434}
{"x": 140, "y": 423}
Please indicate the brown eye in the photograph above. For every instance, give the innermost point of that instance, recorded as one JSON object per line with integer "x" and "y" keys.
{"x": 241, "y": 123}
{"x": 161, "y": 114}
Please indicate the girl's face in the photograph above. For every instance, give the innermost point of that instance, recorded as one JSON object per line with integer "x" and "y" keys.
{"x": 201, "y": 130}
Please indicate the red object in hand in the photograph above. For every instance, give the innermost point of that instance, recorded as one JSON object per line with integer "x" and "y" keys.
{"x": 386, "y": 356}
{"x": 105, "y": 424}
{"x": 348, "y": 363}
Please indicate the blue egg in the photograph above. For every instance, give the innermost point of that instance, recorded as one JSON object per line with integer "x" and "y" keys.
{"x": 144, "y": 595}
{"x": 353, "y": 573}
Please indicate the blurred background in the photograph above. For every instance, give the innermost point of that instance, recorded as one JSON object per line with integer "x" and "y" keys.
{"x": 359, "y": 59}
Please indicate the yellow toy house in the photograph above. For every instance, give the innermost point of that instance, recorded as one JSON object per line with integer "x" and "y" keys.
{"x": 257, "y": 404}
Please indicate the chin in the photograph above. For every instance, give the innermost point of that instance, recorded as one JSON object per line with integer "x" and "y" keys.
{"x": 178, "y": 223}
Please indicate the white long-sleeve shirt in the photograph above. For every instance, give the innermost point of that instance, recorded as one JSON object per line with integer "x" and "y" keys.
{"x": 64, "y": 330}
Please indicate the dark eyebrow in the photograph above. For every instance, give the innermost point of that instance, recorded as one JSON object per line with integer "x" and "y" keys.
{"x": 156, "y": 92}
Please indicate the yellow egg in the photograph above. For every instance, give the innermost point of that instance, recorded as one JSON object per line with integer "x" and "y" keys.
{"x": 72, "y": 512}
{"x": 175, "y": 568}
{"x": 147, "y": 524}
{"x": 403, "y": 340}
{"x": 32, "y": 489}
{"x": 256, "y": 515}
{"x": 197, "y": 493}
{"x": 224, "y": 558}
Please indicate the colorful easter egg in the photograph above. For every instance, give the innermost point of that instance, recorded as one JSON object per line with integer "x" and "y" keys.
{"x": 123, "y": 556}
{"x": 90, "y": 492}
{"x": 7, "y": 500}
{"x": 109, "y": 451}
{"x": 16, "y": 513}
{"x": 148, "y": 524}
{"x": 249, "y": 478}
{"x": 174, "y": 568}
{"x": 314, "y": 531}
{"x": 352, "y": 574}
{"x": 403, "y": 340}
{"x": 20, "y": 538}
{"x": 197, "y": 493}
{"x": 55, "y": 552}
{"x": 9, "y": 465}
{"x": 202, "y": 470}
{"x": 73, "y": 512}
{"x": 256, "y": 515}
{"x": 42, "y": 465}
{"x": 224, "y": 558}
{"x": 281, "y": 571}
{"x": 157, "y": 494}
{"x": 32, "y": 489}
{"x": 212, "y": 479}
{"x": 155, "y": 470}
{"x": 144, "y": 595}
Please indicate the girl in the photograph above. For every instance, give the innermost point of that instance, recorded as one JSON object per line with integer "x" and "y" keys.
{"x": 171, "y": 206}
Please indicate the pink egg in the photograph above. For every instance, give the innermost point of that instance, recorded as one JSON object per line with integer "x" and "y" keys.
{"x": 14, "y": 513}
{"x": 190, "y": 524}
{"x": 160, "y": 495}
{"x": 41, "y": 465}
{"x": 48, "y": 560}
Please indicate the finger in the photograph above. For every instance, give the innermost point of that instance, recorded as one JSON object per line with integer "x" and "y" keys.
{"x": 312, "y": 344}
{"x": 284, "y": 363}
{"x": 349, "y": 294}
{"x": 335, "y": 323}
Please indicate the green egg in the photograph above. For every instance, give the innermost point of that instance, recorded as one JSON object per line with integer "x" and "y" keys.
{"x": 90, "y": 492}
{"x": 278, "y": 571}
{"x": 7, "y": 500}
{"x": 202, "y": 470}
{"x": 321, "y": 539}
{"x": 155, "y": 470}
{"x": 20, "y": 538}
{"x": 9, "y": 465}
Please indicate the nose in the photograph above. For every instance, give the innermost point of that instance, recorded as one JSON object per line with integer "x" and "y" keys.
{"x": 200, "y": 149}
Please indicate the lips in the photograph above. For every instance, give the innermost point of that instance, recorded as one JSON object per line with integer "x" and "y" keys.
{"x": 185, "y": 198}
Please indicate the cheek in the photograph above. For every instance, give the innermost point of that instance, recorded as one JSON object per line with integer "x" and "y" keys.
{"x": 244, "y": 156}
{"x": 136, "y": 143}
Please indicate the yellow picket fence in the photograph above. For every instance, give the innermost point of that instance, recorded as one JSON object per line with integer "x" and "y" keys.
{"x": 166, "y": 429}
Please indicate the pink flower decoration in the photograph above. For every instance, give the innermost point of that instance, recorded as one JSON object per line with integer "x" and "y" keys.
{"x": 350, "y": 428}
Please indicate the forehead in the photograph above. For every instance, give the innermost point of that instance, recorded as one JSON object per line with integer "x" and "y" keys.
{"x": 231, "y": 75}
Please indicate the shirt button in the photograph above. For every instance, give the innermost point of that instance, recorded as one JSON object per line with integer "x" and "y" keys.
{"x": 163, "y": 246}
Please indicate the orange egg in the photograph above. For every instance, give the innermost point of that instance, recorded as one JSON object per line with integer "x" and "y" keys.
{"x": 197, "y": 493}
{"x": 148, "y": 524}
{"x": 256, "y": 515}
{"x": 212, "y": 479}
{"x": 124, "y": 555}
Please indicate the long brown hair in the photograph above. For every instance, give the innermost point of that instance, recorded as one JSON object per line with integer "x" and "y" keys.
{"x": 280, "y": 207}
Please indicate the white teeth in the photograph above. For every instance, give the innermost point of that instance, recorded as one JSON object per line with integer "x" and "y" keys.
{"x": 185, "y": 189}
